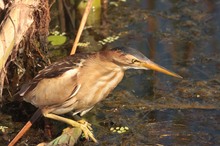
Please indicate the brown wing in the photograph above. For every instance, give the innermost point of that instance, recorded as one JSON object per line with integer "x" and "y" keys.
{"x": 53, "y": 91}
{"x": 54, "y": 70}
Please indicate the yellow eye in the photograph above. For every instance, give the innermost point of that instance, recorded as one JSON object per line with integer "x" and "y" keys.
{"x": 134, "y": 60}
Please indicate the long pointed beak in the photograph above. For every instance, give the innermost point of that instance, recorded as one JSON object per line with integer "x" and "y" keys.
{"x": 153, "y": 66}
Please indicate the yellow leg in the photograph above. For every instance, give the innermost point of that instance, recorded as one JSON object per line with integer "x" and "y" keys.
{"x": 84, "y": 127}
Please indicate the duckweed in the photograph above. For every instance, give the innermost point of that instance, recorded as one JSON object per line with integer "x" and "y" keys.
{"x": 119, "y": 130}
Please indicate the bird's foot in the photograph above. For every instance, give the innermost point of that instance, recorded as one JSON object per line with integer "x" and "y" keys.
{"x": 87, "y": 124}
{"x": 87, "y": 130}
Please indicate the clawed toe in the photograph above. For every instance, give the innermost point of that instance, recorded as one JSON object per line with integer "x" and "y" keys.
{"x": 88, "y": 132}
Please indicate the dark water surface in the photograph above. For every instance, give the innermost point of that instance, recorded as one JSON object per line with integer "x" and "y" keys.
{"x": 160, "y": 110}
{"x": 183, "y": 36}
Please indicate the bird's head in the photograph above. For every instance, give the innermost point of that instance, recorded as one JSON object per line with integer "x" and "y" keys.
{"x": 132, "y": 58}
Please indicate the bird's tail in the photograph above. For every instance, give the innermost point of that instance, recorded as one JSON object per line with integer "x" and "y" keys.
{"x": 26, "y": 127}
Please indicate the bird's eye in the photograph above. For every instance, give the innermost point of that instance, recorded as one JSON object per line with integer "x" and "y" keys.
{"x": 134, "y": 61}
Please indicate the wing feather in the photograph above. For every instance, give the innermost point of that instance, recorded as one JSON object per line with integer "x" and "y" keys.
{"x": 54, "y": 71}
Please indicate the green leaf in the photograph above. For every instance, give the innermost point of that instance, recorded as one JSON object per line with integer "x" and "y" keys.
{"x": 56, "y": 40}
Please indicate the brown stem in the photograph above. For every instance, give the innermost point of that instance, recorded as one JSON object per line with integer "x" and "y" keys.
{"x": 82, "y": 24}
{"x": 26, "y": 127}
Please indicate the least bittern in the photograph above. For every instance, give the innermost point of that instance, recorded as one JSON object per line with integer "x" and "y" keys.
{"x": 78, "y": 82}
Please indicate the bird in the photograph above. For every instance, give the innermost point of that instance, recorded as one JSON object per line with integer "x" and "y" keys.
{"x": 80, "y": 81}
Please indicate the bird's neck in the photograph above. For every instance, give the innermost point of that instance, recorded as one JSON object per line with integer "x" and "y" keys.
{"x": 100, "y": 77}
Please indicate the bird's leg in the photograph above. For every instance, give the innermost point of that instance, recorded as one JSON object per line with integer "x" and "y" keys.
{"x": 83, "y": 127}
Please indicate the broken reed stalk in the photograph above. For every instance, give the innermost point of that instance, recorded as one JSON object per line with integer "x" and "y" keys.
{"x": 82, "y": 24}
